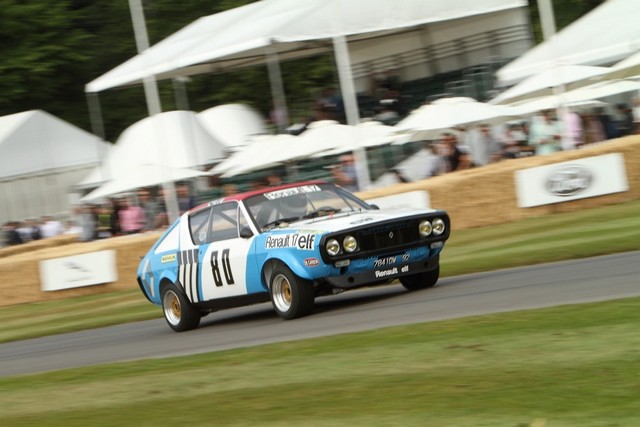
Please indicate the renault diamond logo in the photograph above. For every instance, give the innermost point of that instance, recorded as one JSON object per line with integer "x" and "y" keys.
{"x": 391, "y": 234}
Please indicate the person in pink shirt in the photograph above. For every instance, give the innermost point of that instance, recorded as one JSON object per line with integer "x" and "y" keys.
{"x": 132, "y": 217}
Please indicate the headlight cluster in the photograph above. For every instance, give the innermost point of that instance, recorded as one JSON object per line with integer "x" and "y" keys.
{"x": 349, "y": 244}
{"x": 435, "y": 227}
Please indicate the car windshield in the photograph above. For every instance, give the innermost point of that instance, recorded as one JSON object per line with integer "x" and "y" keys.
{"x": 287, "y": 205}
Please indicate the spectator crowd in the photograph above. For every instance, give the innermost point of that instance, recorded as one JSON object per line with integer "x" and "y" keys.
{"x": 544, "y": 133}
{"x": 138, "y": 212}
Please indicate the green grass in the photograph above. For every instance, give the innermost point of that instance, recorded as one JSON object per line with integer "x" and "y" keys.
{"x": 550, "y": 238}
{"x": 563, "y": 366}
{"x": 574, "y": 365}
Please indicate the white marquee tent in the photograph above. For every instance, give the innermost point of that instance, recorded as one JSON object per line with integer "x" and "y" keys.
{"x": 414, "y": 34}
{"x": 545, "y": 82}
{"x": 426, "y": 122}
{"x": 41, "y": 158}
{"x": 607, "y": 34}
{"x": 244, "y": 36}
{"x": 232, "y": 124}
{"x": 322, "y": 138}
{"x": 174, "y": 139}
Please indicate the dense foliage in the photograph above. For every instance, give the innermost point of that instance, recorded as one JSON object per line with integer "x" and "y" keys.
{"x": 50, "y": 50}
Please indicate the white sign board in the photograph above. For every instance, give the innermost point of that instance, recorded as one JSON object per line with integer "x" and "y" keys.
{"x": 74, "y": 271}
{"x": 413, "y": 199}
{"x": 572, "y": 180}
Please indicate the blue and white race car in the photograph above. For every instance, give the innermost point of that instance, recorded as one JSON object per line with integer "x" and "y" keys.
{"x": 287, "y": 244}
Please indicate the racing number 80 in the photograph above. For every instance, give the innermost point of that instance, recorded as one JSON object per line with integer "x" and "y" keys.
{"x": 226, "y": 268}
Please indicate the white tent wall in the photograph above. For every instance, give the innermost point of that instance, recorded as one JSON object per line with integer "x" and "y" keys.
{"x": 33, "y": 141}
{"x": 41, "y": 158}
{"x": 607, "y": 34}
{"x": 294, "y": 29}
{"x": 32, "y": 196}
{"x": 173, "y": 138}
{"x": 452, "y": 45}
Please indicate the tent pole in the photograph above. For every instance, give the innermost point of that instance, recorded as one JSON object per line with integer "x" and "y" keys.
{"x": 180, "y": 93}
{"x": 281, "y": 113}
{"x": 153, "y": 98}
{"x": 95, "y": 115}
{"x": 351, "y": 106}
{"x": 548, "y": 23}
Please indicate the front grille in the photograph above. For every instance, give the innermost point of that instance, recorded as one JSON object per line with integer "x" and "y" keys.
{"x": 385, "y": 238}
{"x": 388, "y": 236}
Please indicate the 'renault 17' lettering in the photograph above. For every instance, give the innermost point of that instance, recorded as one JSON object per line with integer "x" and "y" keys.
{"x": 301, "y": 241}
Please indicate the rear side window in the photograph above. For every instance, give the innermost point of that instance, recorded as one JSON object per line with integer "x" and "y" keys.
{"x": 224, "y": 222}
{"x": 198, "y": 226}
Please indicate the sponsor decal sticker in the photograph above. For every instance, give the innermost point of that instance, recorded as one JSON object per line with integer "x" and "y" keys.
{"x": 303, "y": 189}
{"x": 168, "y": 258}
{"x": 311, "y": 262}
{"x": 568, "y": 180}
{"x": 391, "y": 271}
{"x": 386, "y": 273}
{"x": 305, "y": 242}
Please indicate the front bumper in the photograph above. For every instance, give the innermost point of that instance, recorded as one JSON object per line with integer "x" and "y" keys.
{"x": 383, "y": 274}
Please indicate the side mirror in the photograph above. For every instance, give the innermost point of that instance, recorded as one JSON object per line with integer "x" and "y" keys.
{"x": 245, "y": 232}
{"x": 374, "y": 206}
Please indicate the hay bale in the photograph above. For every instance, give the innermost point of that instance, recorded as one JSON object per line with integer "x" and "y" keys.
{"x": 474, "y": 198}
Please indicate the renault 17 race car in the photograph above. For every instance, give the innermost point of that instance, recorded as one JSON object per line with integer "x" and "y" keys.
{"x": 287, "y": 244}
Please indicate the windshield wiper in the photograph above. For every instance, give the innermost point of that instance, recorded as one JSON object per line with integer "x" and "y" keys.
{"x": 279, "y": 221}
{"x": 324, "y": 210}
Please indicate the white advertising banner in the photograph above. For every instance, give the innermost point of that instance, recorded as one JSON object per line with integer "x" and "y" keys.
{"x": 413, "y": 199}
{"x": 74, "y": 271}
{"x": 572, "y": 180}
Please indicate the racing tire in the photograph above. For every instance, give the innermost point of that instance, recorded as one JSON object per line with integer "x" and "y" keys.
{"x": 291, "y": 296}
{"x": 424, "y": 280}
{"x": 179, "y": 313}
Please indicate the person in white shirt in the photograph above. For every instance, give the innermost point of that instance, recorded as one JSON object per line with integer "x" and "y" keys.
{"x": 50, "y": 227}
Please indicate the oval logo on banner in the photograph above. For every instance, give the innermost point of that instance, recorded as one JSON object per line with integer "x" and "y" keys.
{"x": 569, "y": 180}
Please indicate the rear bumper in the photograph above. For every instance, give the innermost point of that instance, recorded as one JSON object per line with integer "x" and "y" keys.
{"x": 383, "y": 274}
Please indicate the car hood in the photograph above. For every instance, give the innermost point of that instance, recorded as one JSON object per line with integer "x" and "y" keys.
{"x": 344, "y": 221}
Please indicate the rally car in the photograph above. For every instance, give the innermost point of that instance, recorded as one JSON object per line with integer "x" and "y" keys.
{"x": 287, "y": 244}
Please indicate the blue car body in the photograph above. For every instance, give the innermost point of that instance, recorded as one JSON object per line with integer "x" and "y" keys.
{"x": 228, "y": 252}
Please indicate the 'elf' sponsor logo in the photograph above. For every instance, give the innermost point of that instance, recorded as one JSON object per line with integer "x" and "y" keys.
{"x": 303, "y": 242}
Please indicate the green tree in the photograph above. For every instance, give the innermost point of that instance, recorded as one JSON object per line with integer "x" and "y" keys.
{"x": 51, "y": 50}
{"x": 43, "y": 57}
{"x": 565, "y": 11}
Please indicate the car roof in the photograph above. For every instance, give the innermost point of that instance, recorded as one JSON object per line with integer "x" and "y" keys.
{"x": 247, "y": 194}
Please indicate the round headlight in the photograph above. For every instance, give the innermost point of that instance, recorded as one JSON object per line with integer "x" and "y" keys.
{"x": 438, "y": 226}
{"x": 425, "y": 228}
{"x": 333, "y": 247}
{"x": 350, "y": 244}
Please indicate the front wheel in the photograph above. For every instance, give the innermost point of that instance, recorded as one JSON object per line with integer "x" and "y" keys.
{"x": 422, "y": 280}
{"x": 291, "y": 296}
{"x": 179, "y": 313}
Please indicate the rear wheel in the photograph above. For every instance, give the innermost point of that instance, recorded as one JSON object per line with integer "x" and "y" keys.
{"x": 179, "y": 313}
{"x": 291, "y": 296}
{"x": 423, "y": 280}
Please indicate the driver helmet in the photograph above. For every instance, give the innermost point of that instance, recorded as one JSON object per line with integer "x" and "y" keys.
{"x": 293, "y": 206}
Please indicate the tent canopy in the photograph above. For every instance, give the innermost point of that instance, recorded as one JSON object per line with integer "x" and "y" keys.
{"x": 629, "y": 67}
{"x": 142, "y": 176}
{"x": 325, "y": 137}
{"x": 604, "y": 36}
{"x": 232, "y": 124}
{"x": 175, "y": 139}
{"x": 580, "y": 97}
{"x": 291, "y": 28}
{"x": 35, "y": 141}
{"x": 545, "y": 82}
{"x": 428, "y": 121}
